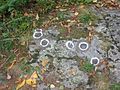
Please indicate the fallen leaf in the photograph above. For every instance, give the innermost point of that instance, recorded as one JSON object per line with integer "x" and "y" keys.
{"x": 34, "y": 75}
{"x": 72, "y": 71}
{"x": 12, "y": 65}
{"x": 32, "y": 81}
{"x": 26, "y": 14}
{"x": 43, "y": 70}
{"x": 37, "y": 17}
{"x": 44, "y": 62}
{"x": 62, "y": 10}
{"x": 34, "y": 24}
{"x": 20, "y": 85}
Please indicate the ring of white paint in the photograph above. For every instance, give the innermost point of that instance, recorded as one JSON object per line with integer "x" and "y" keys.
{"x": 40, "y": 30}
{"x": 46, "y": 43}
{"x": 37, "y": 37}
{"x": 83, "y": 49}
{"x": 70, "y": 42}
{"x": 98, "y": 60}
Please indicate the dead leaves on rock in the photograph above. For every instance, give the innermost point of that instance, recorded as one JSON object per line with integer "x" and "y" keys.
{"x": 44, "y": 63}
{"x": 90, "y": 34}
{"x": 111, "y": 4}
{"x": 32, "y": 81}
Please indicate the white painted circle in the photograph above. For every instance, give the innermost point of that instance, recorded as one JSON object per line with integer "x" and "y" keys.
{"x": 46, "y": 40}
{"x": 71, "y": 43}
{"x": 38, "y": 30}
{"x": 83, "y": 43}
{"x": 94, "y": 58}
{"x": 39, "y": 36}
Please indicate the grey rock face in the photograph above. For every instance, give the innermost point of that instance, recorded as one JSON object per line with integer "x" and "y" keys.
{"x": 109, "y": 26}
{"x": 69, "y": 73}
{"x": 63, "y": 58}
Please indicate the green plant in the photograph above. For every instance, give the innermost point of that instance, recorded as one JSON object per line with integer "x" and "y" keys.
{"x": 87, "y": 67}
{"x": 46, "y": 5}
{"x": 87, "y": 16}
{"x": 115, "y": 86}
{"x": 9, "y": 5}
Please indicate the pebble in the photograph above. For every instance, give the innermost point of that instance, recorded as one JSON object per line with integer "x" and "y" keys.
{"x": 52, "y": 86}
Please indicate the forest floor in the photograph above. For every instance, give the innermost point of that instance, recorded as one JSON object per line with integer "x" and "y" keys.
{"x": 24, "y": 65}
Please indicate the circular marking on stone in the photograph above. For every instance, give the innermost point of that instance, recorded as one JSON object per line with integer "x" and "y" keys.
{"x": 70, "y": 45}
{"x": 44, "y": 42}
{"x": 83, "y": 46}
{"x": 95, "y": 61}
{"x": 37, "y": 35}
{"x": 38, "y": 30}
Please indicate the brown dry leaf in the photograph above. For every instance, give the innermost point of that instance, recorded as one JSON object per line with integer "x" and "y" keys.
{"x": 34, "y": 24}
{"x": 26, "y": 14}
{"x": 44, "y": 62}
{"x": 82, "y": 6}
{"x": 12, "y": 65}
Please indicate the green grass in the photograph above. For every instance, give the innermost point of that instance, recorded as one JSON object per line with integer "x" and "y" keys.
{"x": 87, "y": 16}
{"x": 46, "y": 5}
{"x": 115, "y": 86}
{"x": 87, "y": 67}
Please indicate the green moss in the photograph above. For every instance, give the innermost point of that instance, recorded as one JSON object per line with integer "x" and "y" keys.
{"x": 76, "y": 34}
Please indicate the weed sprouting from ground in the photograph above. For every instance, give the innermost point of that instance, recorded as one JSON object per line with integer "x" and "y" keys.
{"x": 87, "y": 17}
{"x": 115, "y": 86}
{"x": 87, "y": 67}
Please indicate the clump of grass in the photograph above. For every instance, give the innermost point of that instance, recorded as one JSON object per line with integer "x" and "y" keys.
{"x": 87, "y": 17}
{"x": 78, "y": 34}
{"x": 87, "y": 67}
{"x": 47, "y": 5}
{"x": 9, "y": 5}
{"x": 115, "y": 86}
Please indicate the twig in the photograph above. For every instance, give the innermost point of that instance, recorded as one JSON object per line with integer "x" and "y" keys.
{"x": 5, "y": 62}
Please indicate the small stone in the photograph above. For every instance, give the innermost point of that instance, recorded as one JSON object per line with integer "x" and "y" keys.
{"x": 76, "y": 13}
{"x": 52, "y": 86}
{"x": 94, "y": 1}
{"x": 8, "y": 76}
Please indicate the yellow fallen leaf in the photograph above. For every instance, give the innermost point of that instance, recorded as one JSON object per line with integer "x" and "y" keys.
{"x": 34, "y": 75}
{"x": 20, "y": 85}
{"x": 44, "y": 62}
{"x": 43, "y": 70}
{"x": 31, "y": 82}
